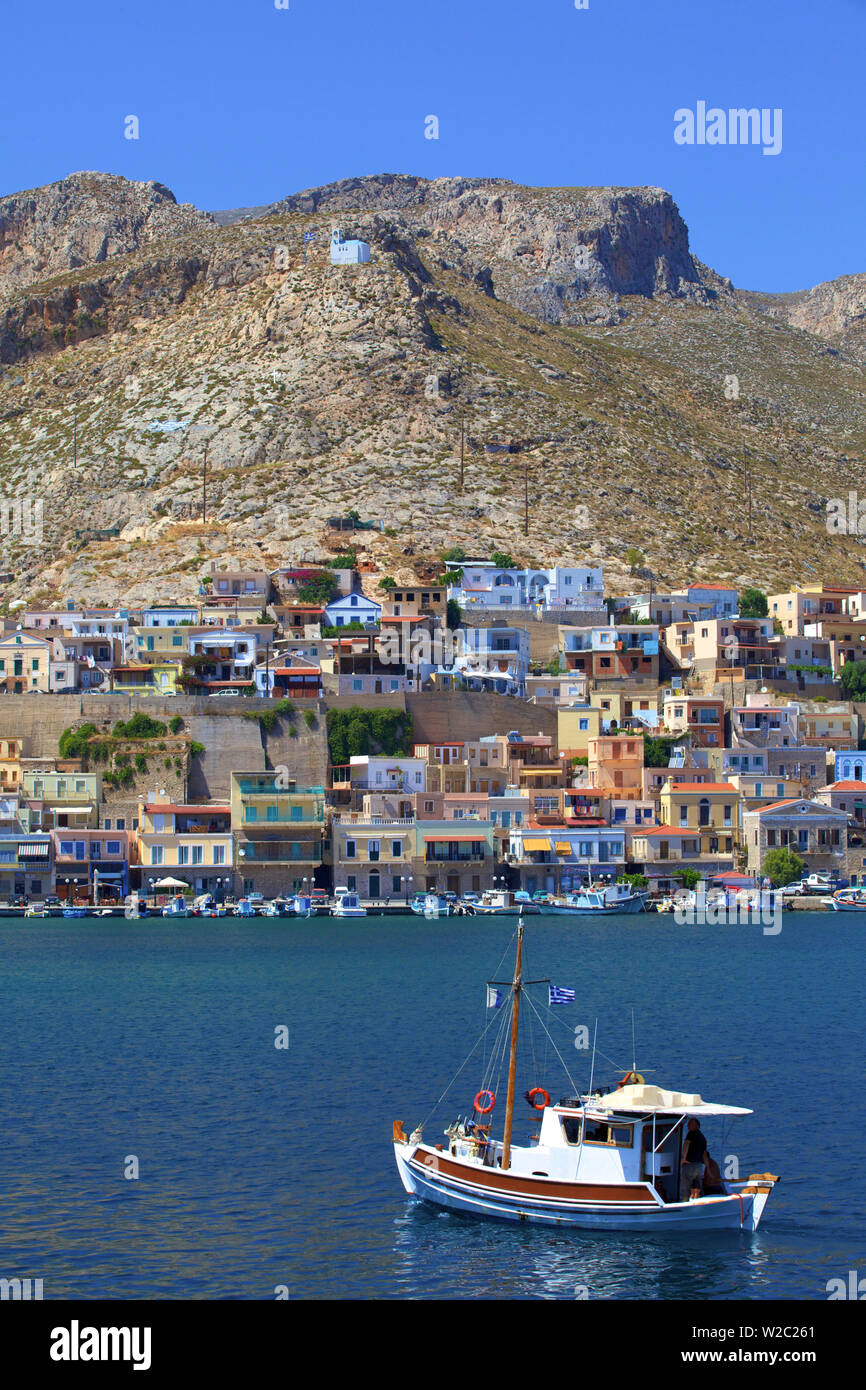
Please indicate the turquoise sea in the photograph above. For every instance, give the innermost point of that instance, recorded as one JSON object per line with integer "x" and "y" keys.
{"x": 261, "y": 1167}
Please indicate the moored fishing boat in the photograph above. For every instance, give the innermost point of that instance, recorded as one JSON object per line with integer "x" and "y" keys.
{"x": 610, "y": 1161}
{"x": 502, "y": 902}
{"x": 432, "y": 905}
{"x": 606, "y": 899}
{"x": 847, "y": 900}
{"x": 176, "y": 908}
{"x": 348, "y": 905}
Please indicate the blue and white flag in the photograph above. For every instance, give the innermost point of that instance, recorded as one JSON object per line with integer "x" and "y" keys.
{"x": 310, "y": 236}
{"x": 494, "y": 997}
{"x": 557, "y": 995}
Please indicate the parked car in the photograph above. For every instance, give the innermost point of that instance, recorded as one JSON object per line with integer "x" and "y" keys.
{"x": 471, "y": 898}
{"x": 319, "y": 895}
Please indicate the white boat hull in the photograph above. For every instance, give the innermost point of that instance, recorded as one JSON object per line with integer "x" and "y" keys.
{"x": 479, "y": 1191}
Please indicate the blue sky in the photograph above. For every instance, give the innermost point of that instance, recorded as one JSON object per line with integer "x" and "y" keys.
{"x": 240, "y": 103}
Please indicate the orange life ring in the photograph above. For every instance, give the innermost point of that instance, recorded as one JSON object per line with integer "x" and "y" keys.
{"x": 484, "y": 1109}
{"x": 538, "y": 1091}
{"x": 631, "y": 1078}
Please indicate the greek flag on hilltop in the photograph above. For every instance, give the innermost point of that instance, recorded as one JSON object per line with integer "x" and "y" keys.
{"x": 557, "y": 995}
{"x": 310, "y": 236}
{"x": 494, "y": 997}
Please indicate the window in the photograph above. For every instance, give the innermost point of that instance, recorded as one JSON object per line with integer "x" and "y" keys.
{"x": 156, "y": 854}
{"x": 183, "y": 854}
{"x": 121, "y": 823}
{"x": 112, "y": 847}
{"x": 250, "y": 813}
{"x": 351, "y": 850}
{"x": 66, "y": 848}
{"x": 197, "y": 854}
{"x": 95, "y": 849}
{"x": 396, "y": 849}
{"x": 219, "y": 854}
{"x": 374, "y": 849}
{"x": 273, "y": 813}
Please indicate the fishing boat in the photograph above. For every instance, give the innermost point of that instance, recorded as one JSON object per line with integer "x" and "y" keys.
{"x": 34, "y": 911}
{"x": 432, "y": 905}
{"x": 134, "y": 907}
{"x": 279, "y": 907}
{"x": 348, "y": 905}
{"x": 75, "y": 912}
{"x": 605, "y": 899}
{"x": 302, "y": 905}
{"x": 600, "y": 1161}
{"x": 503, "y": 902}
{"x": 176, "y": 908}
{"x": 847, "y": 900}
{"x": 245, "y": 908}
{"x": 206, "y": 905}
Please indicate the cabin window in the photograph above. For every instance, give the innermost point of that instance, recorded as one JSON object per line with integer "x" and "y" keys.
{"x": 615, "y": 1136}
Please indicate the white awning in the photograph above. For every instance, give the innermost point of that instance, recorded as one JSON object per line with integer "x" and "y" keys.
{"x": 646, "y": 1099}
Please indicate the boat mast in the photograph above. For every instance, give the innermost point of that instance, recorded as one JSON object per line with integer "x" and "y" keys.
{"x": 517, "y": 985}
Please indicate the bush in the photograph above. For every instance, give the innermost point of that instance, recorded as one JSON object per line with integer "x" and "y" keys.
{"x": 175, "y": 724}
{"x": 139, "y": 726}
{"x": 268, "y": 718}
{"x": 196, "y": 749}
{"x": 309, "y": 718}
{"x": 73, "y": 742}
{"x": 454, "y": 555}
{"x": 503, "y": 561}
{"x": 140, "y": 762}
{"x": 346, "y": 560}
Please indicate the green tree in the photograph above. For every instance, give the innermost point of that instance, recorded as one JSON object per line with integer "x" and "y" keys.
{"x": 503, "y": 561}
{"x": 634, "y": 558}
{"x": 657, "y": 751}
{"x": 691, "y": 878}
{"x": 455, "y": 555}
{"x": 753, "y": 604}
{"x": 783, "y": 866}
{"x": 387, "y": 583}
{"x": 454, "y": 614}
{"x": 853, "y": 680}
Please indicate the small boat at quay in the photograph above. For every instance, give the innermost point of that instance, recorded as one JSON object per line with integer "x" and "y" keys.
{"x": 432, "y": 905}
{"x": 847, "y": 900}
{"x": 503, "y": 902}
{"x": 348, "y": 905}
{"x": 604, "y": 1160}
{"x": 74, "y": 911}
{"x": 176, "y": 908}
{"x": 34, "y": 911}
{"x": 602, "y": 900}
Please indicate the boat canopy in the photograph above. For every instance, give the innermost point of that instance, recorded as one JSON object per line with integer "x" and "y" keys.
{"x": 647, "y": 1099}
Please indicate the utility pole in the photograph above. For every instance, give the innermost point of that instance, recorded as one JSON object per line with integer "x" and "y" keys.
{"x": 525, "y": 495}
{"x": 75, "y": 438}
{"x": 204, "y": 486}
{"x": 462, "y": 441}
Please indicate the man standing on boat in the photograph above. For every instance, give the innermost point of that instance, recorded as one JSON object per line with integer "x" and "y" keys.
{"x": 692, "y": 1166}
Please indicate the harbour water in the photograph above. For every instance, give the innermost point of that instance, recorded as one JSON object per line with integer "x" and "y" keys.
{"x": 262, "y": 1167}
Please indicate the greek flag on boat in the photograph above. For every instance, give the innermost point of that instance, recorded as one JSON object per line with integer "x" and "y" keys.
{"x": 494, "y": 997}
{"x": 557, "y": 995}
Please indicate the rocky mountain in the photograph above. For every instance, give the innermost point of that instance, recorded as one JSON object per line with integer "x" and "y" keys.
{"x": 155, "y": 359}
{"x": 82, "y": 220}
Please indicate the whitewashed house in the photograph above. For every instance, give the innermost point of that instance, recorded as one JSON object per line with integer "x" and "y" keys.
{"x": 485, "y": 585}
{"x": 353, "y": 608}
